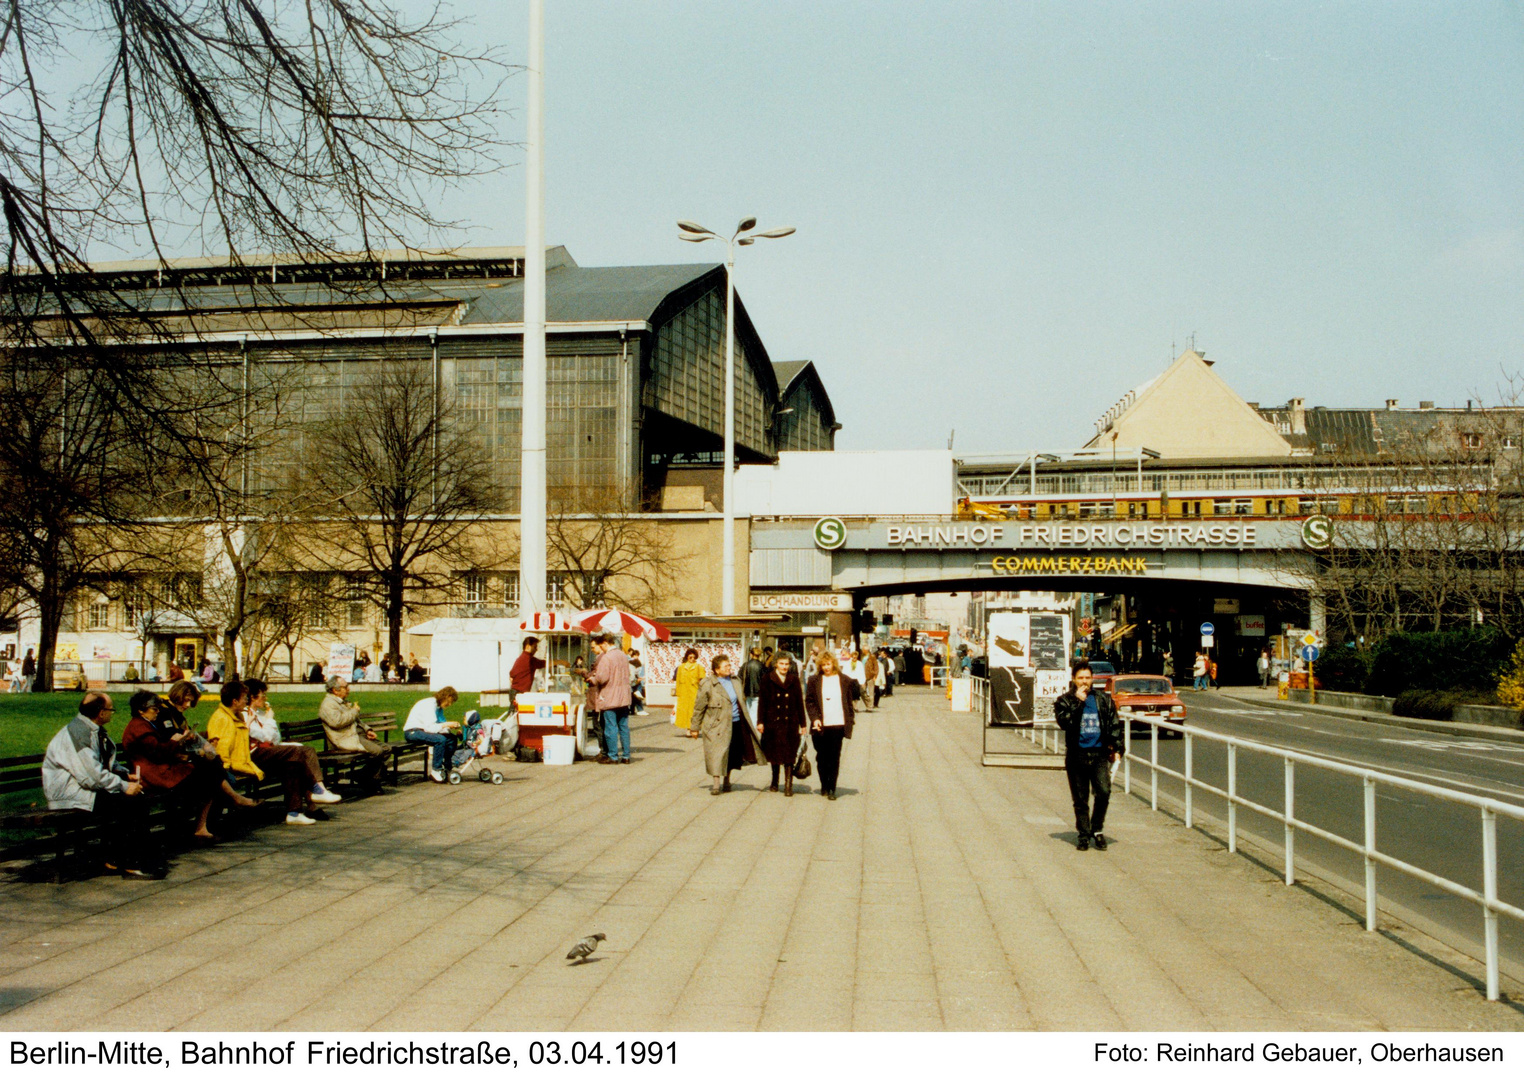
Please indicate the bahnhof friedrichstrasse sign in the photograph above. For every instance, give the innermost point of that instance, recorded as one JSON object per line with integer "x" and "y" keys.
{"x": 1142, "y": 534}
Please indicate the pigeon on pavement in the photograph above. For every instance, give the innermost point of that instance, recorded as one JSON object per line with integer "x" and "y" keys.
{"x": 584, "y": 948}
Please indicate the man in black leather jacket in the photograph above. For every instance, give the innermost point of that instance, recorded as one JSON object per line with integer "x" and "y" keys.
{"x": 1092, "y": 741}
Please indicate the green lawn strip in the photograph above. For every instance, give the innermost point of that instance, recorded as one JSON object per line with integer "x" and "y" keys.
{"x": 29, "y": 721}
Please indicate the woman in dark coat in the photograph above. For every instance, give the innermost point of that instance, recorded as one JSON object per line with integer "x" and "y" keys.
{"x": 780, "y": 719}
{"x": 165, "y": 757}
{"x": 719, "y": 714}
{"x": 828, "y": 699}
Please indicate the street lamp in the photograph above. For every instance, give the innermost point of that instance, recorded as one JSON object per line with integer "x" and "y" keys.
{"x": 695, "y": 233}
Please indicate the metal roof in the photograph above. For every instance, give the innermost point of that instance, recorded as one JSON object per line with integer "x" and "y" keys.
{"x": 591, "y": 294}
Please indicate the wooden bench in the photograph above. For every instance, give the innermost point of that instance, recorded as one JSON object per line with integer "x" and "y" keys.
{"x": 346, "y": 762}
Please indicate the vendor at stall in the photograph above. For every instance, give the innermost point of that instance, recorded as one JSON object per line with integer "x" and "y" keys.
{"x": 521, "y": 677}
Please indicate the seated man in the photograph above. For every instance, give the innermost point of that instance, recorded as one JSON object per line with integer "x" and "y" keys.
{"x": 344, "y": 731}
{"x": 426, "y": 723}
{"x": 80, "y": 772}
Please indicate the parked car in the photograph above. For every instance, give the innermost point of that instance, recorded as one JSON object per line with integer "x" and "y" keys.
{"x": 1103, "y": 674}
{"x": 1147, "y": 695}
{"x": 69, "y": 675}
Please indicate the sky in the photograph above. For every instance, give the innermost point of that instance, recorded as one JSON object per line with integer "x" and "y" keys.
{"x": 1009, "y": 214}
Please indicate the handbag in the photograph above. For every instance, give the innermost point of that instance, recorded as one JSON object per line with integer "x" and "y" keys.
{"x": 802, "y": 768}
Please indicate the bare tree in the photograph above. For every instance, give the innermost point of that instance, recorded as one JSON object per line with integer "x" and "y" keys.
{"x": 606, "y": 556}
{"x": 1429, "y": 532}
{"x": 403, "y": 490}
{"x": 72, "y": 471}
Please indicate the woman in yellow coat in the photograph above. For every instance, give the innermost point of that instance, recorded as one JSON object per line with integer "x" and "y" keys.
{"x": 689, "y": 673}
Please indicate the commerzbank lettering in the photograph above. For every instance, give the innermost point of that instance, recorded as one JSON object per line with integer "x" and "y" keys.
{"x": 1142, "y": 534}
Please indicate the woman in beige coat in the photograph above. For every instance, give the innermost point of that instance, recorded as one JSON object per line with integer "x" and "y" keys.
{"x": 719, "y": 713}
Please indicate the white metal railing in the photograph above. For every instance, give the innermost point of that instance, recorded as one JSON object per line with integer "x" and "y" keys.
{"x": 1366, "y": 847}
{"x": 1489, "y": 809}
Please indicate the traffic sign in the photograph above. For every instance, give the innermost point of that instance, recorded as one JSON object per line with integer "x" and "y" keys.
{"x": 1207, "y": 641}
{"x": 1311, "y": 638}
{"x": 1310, "y": 653}
{"x": 1207, "y": 629}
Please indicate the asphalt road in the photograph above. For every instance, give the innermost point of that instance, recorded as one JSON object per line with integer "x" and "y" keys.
{"x": 1442, "y": 837}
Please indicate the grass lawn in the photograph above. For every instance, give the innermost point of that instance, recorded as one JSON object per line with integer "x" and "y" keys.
{"x": 29, "y": 721}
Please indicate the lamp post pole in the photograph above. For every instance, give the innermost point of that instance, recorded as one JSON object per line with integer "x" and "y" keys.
{"x": 727, "y": 488}
{"x": 697, "y": 234}
{"x": 532, "y": 500}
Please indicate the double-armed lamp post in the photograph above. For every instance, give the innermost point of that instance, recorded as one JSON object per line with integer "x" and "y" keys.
{"x": 742, "y": 237}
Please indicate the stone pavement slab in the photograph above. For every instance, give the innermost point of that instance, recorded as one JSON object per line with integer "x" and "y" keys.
{"x": 933, "y": 894}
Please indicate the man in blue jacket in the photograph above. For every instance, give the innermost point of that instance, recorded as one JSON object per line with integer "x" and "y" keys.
{"x": 1092, "y": 741}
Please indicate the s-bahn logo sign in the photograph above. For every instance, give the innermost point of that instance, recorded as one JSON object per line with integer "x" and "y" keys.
{"x": 1317, "y": 532}
{"x": 830, "y": 533}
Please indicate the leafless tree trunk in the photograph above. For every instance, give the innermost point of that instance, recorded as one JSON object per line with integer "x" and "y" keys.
{"x": 403, "y": 489}
{"x": 607, "y": 556}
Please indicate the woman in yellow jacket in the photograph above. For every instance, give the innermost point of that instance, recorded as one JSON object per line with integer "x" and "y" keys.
{"x": 229, "y": 730}
{"x": 689, "y": 674}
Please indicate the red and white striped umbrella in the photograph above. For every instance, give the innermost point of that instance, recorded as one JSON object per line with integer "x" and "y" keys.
{"x": 615, "y": 621}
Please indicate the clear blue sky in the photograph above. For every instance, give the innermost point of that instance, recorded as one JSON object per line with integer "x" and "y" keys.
{"x": 1009, "y": 213}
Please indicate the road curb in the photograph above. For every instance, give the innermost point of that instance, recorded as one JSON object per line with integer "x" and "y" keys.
{"x": 1439, "y": 727}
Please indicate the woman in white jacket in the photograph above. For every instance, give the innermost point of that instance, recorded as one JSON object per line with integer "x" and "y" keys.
{"x": 426, "y": 723}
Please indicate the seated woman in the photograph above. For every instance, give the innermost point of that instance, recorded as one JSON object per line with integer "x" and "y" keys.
{"x": 229, "y": 730}
{"x": 166, "y": 760}
{"x": 181, "y": 699}
{"x": 295, "y": 763}
{"x": 426, "y": 723}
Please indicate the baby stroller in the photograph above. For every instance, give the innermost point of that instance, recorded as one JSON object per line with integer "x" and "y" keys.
{"x": 479, "y": 739}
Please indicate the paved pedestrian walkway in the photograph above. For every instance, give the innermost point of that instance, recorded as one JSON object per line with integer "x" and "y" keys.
{"x": 934, "y": 893}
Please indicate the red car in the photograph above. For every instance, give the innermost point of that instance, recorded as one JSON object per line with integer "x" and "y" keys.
{"x": 1147, "y": 695}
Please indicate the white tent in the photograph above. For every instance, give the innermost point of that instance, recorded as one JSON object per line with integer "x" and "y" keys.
{"x": 471, "y": 654}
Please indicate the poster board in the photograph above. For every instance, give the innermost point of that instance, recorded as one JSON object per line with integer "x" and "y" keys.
{"x": 341, "y": 661}
{"x": 1011, "y": 698}
{"x": 1050, "y": 641}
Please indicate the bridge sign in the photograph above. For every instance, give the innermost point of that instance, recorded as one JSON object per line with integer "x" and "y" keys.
{"x": 830, "y": 533}
{"x": 1310, "y": 653}
{"x": 1207, "y": 629}
{"x": 1317, "y": 532}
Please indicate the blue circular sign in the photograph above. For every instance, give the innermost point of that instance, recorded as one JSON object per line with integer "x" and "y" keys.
{"x": 1207, "y": 629}
{"x": 1310, "y": 653}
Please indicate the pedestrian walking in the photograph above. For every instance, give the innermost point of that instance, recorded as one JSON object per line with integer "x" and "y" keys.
{"x": 611, "y": 680}
{"x": 637, "y": 684}
{"x": 719, "y": 712}
{"x": 686, "y": 684}
{"x": 751, "y": 678}
{"x": 828, "y": 701}
{"x": 780, "y": 719}
{"x": 28, "y": 672}
{"x": 1092, "y": 741}
{"x": 1263, "y": 666}
{"x": 869, "y": 687}
{"x": 1199, "y": 672}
